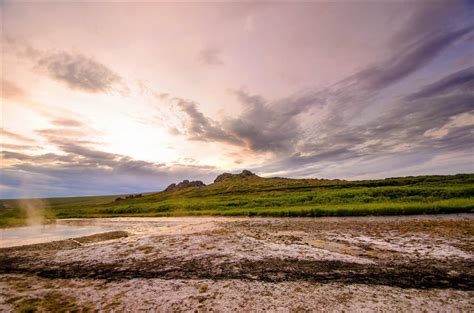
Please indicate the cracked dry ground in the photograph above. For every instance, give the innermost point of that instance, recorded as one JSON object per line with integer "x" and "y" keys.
{"x": 335, "y": 264}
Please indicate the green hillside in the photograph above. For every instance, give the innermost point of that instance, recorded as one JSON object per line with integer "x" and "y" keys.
{"x": 247, "y": 194}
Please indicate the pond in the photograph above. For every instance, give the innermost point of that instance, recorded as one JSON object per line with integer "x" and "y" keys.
{"x": 19, "y": 236}
{"x": 73, "y": 228}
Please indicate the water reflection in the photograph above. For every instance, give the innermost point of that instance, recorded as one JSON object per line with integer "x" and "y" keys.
{"x": 44, "y": 233}
{"x": 72, "y": 228}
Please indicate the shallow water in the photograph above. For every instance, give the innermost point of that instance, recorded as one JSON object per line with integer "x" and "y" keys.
{"x": 19, "y": 236}
{"x": 73, "y": 228}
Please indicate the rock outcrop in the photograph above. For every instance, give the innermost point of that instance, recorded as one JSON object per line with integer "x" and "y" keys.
{"x": 197, "y": 183}
{"x": 139, "y": 195}
{"x": 225, "y": 176}
{"x": 185, "y": 184}
{"x": 222, "y": 177}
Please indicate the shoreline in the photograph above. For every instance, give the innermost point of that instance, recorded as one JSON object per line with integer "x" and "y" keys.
{"x": 383, "y": 263}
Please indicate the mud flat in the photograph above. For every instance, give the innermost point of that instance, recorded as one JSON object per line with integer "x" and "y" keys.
{"x": 416, "y": 263}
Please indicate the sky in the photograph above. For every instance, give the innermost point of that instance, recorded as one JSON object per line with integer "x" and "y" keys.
{"x": 103, "y": 97}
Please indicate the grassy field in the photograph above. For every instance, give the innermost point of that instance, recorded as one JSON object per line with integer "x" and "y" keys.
{"x": 257, "y": 196}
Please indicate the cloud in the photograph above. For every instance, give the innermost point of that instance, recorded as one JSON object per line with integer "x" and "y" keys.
{"x": 461, "y": 81}
{"x": 67, "y": 122}
{"x": 174, "y": 131}
{"x": 364, "y": 124}
{"x": 82, "y": 170}
{"x": 144, "y": 89}
{"x": 62, "y": 132}
{"x": 202, "y": 128}
{"x": 278, "y": 126}
{"x": 75, "y": 70}
{"x": 428, "y": 17}
{"x": 11, "y": 91}
{"x": 20, "y": 48}
{"x": 431, "y": 28}
{"x": 421, "y": 128}
{"x": 66, "y": 129}
{"x": 69, "y": 132}
{"x": 436, "y": 119}
{"x": 407, "y": 60}
{"x": 79, "y": 167}
{"x": 18, "y": 147}
{"x": 455, "y": 123}
{"x": 79, "y": 72}
{"x": 210, "y": 56}
{"x": 15, "y": 136}
{"x": 42, "y": 158}
{"x": 267, "y": 126}
{"x": 261, "y": 127}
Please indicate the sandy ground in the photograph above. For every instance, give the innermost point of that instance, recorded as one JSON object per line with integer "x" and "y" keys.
{"x": 417, "y": 263}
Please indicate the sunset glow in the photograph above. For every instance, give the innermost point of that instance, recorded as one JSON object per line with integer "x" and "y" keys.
{"x": 104, "y": 98}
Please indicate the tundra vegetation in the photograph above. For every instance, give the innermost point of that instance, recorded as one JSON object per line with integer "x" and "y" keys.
{"x": 247, "y": 194}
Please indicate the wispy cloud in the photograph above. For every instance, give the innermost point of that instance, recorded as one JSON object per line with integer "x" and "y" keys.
{"x": 210, "y": 56}
{"x": 75, "y": 70}
{"x": 407, "y": 60}
{"x": 10, "y": 90}
{"x": 16, "y": 147}
{"x": 67, "y": 122}
{"x": 79, "y": 72}
{"x": 461, "y": 81}
{"x": 41, "y": 158}
{"x": 15, "y": 136}
{"x": 62, "y": 132}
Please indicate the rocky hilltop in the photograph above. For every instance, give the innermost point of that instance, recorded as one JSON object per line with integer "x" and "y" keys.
{"x": 227, "y": 176}
{"x": 221, "y": 178}
{"x": 185, "y": 184}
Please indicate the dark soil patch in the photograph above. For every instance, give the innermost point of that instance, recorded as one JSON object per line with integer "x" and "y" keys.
{"x": 420, "y": 274}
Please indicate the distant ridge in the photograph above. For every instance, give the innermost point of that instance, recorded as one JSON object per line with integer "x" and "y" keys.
{"x": 227, "y": 176}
